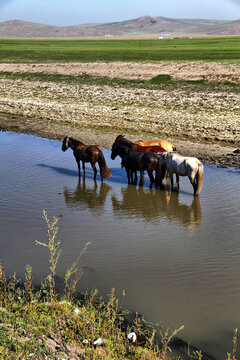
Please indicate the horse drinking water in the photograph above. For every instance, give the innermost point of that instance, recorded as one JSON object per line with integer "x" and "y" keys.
{"x": 87, "y": 153}
{"x": 182, "y": 166}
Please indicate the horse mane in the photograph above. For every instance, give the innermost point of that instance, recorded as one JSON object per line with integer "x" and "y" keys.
{"x": 121, "y": 140}
{"x": 76, "y": 141}
{"x": 118, "y": 139}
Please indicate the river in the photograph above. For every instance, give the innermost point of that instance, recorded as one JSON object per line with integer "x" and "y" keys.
{"x": 177, "y": 258}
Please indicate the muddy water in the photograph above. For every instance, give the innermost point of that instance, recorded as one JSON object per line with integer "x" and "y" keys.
{"x": 177, "y": 258}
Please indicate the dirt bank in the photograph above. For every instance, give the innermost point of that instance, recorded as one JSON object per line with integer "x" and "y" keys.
{"x": 207, "y": 118}
{"x": 222, "y": 156}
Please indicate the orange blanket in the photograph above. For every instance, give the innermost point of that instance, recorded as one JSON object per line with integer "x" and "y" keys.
{"x": 155, "y": 146}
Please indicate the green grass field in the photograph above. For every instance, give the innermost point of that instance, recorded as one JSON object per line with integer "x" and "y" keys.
{"x": 225, "y": 49}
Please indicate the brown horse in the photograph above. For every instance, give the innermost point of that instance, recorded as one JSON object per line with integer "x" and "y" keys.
{"x": 137, "y": 161}
{"x": 155, "y": 146}
{"x": 87, "y": 153}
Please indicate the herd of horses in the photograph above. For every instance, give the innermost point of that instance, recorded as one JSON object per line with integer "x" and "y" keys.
{"x": 157, "y": 156}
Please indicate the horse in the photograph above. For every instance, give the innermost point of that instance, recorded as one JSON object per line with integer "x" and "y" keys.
{"x": 136, "y": 161}
{"x": 87, "y": 153}
{"x": 182, "y": 166}
{"x": 155, "y": 146}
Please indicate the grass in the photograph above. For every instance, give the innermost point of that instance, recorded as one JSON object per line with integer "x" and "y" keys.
{"x": 140, "y": 50}
{"x": 160, "y": 82}
{"x": 41, "y": 324}
{"x": 38, "y": 323}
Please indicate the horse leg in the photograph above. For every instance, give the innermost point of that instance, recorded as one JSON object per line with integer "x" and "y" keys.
{"x": 83, "y": 166}
{"x": 79, "y": 169}
{"x": 141, "y": 178}
{"x": 95, "y": 170}
{"x": 131, "y": 175}
{"x": 158, "y": 176}
{"x": 194, "y": 184}
{"x": 128, "y": 174}
{"x": 177, "y": 179}
{"x": 152, "y": 181}
{"x": 136, "y": 178}
{"x": 171, "y": 178}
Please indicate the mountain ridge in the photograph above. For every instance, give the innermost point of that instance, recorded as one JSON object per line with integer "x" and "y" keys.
{"x": 142, "y": 26}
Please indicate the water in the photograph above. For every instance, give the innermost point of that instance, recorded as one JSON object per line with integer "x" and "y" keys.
{"x": 178, "y": 259}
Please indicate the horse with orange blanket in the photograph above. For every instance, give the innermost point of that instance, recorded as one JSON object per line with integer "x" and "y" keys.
{"x": 155, "y": 146}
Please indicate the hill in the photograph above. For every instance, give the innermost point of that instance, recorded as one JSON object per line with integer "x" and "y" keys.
{"x": 142, "y": 26}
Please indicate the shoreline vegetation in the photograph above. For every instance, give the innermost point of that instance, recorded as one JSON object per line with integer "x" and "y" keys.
{"x": 41, "y": 323}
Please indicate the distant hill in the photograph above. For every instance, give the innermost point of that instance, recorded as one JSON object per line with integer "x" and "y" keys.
{"x": 143, "y": 26}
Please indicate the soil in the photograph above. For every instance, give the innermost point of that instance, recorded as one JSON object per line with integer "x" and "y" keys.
{"x": 54, "y": 110}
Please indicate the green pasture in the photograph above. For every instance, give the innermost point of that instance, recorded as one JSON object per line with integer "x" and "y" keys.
{"x": 225, "y": 49}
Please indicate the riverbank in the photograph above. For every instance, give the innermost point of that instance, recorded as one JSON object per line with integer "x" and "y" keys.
{"x": 194, "y": 105}
{"x": 215, "y": 154}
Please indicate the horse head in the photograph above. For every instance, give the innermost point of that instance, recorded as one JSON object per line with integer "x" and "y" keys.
{"x": 118, "y": 139}
{"x": 115, "y": 151}
{"x": 65, "y": 143}
{"x": 118, "y": 150}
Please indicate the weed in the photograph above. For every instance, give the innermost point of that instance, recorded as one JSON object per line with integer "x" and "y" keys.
{"x": 54, "y": 251}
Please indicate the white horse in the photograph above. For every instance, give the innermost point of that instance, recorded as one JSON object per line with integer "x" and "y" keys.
{"x": 182, "y": 166}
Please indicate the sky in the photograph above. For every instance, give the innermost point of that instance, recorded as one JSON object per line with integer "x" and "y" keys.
{"x": 74, "y": 12}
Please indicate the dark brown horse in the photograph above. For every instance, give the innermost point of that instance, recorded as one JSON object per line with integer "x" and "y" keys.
{"x": 121, "y": 140}
{"x": 136, "y": 161}
{"x": 155, "y": 146}
{"x": 87, "y": 153}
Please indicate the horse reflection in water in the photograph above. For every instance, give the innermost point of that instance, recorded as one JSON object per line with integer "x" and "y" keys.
{"x": 94, "y": 198}
{"x": 151, "y": 206}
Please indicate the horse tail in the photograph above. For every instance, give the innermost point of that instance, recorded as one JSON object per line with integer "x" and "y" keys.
{"x": 104, "y": 170}
{"x": 199, "y": 178}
